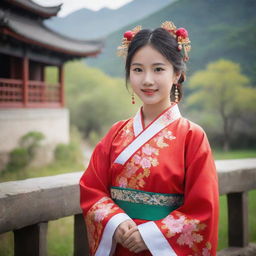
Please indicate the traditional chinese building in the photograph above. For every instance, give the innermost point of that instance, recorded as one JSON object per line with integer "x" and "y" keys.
{"x": 27, "y": 48}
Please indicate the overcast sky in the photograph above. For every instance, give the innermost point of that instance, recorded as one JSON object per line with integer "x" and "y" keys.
{"x": 69, "y": 6}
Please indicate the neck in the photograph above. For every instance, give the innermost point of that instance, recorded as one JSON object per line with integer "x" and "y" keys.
{"x": 150, "y": 112}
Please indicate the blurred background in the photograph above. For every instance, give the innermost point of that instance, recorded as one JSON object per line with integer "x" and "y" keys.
{"x": 70, "y": 51}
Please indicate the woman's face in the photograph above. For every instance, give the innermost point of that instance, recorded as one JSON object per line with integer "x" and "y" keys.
{"x": 152, "y": 76}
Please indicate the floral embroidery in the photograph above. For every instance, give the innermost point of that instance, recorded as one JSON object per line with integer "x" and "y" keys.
{"x": 143, "y": 160}
{"x": 187, "y": 231}
{"x": 97, "y": 213}
{"x": 137, "y": 196}
{"x": 169, "y": 115}
{"x": 207, "y": 250}
{"x": 127, "y": 134}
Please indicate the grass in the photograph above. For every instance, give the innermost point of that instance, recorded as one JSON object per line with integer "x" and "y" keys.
{"x": 234, "y": 154}
{"x": 223, "y": 235}
{"x": 60, "y": 232}
{"x": 59, "y": 239}
{"x": 51, "y": 169}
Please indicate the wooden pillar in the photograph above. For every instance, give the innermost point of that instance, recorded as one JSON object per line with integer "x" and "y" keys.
{"x": 238, "y": 219}
{"x": 42, "y": 79}
{"x": 12, "y": 67}
{"x": 25, "y": 78}
{"x": 31, "y": 240}
{"x": 61, "y": 83}
{"x": 81, "y": 245}
{"x": 42, "y": 73}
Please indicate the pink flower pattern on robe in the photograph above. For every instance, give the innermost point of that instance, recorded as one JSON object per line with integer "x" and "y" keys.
{"x": 138, "y": 167}
{"x": 95, "y": 217}
{"x": 187, "y": 231}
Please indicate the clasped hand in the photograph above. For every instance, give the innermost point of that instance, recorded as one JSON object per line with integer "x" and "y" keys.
{"x": 128, "y": 235}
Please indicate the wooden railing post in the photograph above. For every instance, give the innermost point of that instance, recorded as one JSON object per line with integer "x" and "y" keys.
{"x": 61, "y": 83}
{"x": 25, "y": 78}
{"x": 31, "y": 240}
{"x": 81, "y": 246}
{"x": 238, "y": 219}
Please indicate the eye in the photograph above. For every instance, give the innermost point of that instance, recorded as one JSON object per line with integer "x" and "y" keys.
{"x": 137, "y": 70}
{"x": 158, "y": 69}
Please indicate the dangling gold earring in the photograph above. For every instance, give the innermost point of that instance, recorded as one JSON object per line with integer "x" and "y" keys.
{"x": 176, "y": 93}
{"x": 133, "y": 98}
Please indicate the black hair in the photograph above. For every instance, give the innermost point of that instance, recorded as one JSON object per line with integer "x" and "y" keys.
{"x": 166, "y": 44}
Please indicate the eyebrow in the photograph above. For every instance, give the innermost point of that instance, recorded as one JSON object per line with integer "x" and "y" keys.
{"x": 155, "y": 64}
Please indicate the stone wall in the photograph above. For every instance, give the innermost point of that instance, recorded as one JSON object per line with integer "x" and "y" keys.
{"x": 14, "y": 123}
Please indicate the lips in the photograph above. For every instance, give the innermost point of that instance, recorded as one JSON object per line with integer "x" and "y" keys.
{"x": 149, "y": 91}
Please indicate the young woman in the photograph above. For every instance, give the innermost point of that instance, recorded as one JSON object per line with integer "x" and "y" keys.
{"x": 151, "y": 184}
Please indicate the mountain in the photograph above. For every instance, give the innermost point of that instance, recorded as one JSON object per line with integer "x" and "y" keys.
{"x": 88, "y": 24}
{"x": 217, "y": 29}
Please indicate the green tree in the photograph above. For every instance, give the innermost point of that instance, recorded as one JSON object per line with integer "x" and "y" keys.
{"x": 95, "y": 100}
{"x": 221, "y": 89}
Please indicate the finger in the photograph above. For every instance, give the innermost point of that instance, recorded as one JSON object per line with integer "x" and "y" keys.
{"x": 125, "y": 226}
{"x": 137, "y": 250}
{"x": 132, "y": 240}
{"x": 140, "y": 247}
{"x": 129, "y": 244}
{"x": 137, "y": 240}
{"x": 130, "y": 232}
{"x": 117, "y": 238}
{"x": 134, "y": 248}
{"x": 128, "y": 239}
{"x": 131, "y": 224}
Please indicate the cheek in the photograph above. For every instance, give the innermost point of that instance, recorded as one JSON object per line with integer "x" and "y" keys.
{"x": 164, "y": 81}
{"x": 134, "y": 81}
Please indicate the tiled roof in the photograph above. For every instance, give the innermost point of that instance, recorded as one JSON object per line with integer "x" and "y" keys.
{"x": 33, "y": 7}
{"x": 35, "y": 32}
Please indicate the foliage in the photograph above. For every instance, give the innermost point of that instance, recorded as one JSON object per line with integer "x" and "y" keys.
{"x": 73, "y": 162}
{"x": 95, "y": 100}
{"x": 217, "y": 29}
{"x": 21, "y": 156}
{"x": 222, "y": 92}
{"x": 93, "y": 138}
{"x": 51, "y": 75}
{"x": 65, "y": 152}
{"x": 70, "y": 152}
{"x": 31, "y": 141}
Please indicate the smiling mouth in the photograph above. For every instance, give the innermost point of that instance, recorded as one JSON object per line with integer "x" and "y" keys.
{"x": 149, "y": 91}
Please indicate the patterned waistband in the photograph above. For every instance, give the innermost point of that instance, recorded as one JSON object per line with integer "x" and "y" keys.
{"x": 145, "y": 205}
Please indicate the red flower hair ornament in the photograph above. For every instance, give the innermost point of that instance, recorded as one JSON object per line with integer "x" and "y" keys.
{"x": 181, "y": 35}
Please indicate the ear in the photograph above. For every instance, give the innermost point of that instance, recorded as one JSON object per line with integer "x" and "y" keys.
{"x": 176, "y": 77}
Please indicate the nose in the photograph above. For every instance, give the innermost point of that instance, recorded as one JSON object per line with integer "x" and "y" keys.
{"x": 148, "y": 79}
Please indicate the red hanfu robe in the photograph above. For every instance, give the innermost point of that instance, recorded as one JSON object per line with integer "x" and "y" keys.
{"x": 152, "y": 167}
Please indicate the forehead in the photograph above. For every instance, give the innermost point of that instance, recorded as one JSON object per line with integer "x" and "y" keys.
{"x": 149, "y": 55}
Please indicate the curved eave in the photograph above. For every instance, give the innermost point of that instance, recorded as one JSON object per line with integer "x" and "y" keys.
{"x": 8, "y": 31}
{"x": 44, "y": 12}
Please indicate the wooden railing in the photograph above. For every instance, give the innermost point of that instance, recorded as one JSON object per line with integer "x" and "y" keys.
{"x": 27, "y": 206}
{"x": 39, "y": 94}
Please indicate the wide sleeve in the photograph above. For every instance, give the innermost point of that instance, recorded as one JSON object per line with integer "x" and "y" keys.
{"x": 102, "y": 215}
{"x": 192, "y": 229}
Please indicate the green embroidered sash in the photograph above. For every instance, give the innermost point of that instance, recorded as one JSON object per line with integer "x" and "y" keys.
{"x": 144, "y": 205}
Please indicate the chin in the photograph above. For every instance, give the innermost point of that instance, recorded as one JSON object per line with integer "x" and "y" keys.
{"x": 150, "y": 102}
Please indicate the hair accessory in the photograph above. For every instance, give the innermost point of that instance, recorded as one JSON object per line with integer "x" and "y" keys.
{"x": 181, "y": 35}
{"x": 127, "y": 38}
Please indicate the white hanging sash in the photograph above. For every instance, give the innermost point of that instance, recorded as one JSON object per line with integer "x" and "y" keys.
{"x": 142, "y": 137}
